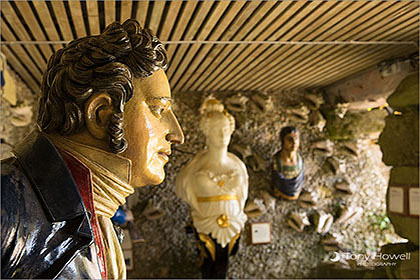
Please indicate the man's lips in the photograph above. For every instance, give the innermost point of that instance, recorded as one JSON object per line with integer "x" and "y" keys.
{"x": 164, "y": 154}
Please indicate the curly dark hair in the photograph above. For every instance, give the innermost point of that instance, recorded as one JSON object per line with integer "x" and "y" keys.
{"x": 103, "y": 63}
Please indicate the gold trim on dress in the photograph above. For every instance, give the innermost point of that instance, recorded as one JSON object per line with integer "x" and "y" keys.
{"x": 277, "y": 193}
{"x": 209, "y": 244}
{"x": 232, "y": 243}
{"x": 223, "y": 221}
{"x": 217, "y": 198}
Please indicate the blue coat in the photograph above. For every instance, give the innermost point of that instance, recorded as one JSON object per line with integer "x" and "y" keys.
{"x": 45, "y": 228}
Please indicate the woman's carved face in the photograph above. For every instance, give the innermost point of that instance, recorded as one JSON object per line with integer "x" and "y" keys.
{"x": 219, "y": 132}
{"x": 291, "y": 142}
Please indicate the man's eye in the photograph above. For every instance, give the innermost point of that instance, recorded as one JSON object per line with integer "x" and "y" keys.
{"x": 157, "y": 110}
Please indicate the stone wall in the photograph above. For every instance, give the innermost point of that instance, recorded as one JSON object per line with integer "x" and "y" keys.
{"x": 18, "y": 119}
{"x": 170, "y": 252}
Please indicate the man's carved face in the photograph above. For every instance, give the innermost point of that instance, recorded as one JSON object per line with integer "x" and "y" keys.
{"x": 150, "y": 128}
{"x": 291, "y": 142}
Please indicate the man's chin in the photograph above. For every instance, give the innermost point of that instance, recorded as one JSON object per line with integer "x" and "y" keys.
{"x": 150, "y": 180}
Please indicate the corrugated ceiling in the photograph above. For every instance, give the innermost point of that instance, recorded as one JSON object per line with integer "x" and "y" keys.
{"x": 225, "y": 45}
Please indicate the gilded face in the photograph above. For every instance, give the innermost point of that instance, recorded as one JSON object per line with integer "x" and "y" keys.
{"x": 150, "y": 128}
{"x": 219, "y": 132}
{"x": 291, "y": 142}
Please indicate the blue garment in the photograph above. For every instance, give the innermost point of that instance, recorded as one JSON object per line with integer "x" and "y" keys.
{"x": 288, "y": 188}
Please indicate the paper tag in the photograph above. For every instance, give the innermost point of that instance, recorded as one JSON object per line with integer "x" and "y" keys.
{"x": 413, "y": 201}
{"x": 396, "y": 200}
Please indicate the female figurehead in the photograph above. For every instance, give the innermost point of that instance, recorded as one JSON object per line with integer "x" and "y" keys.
{"x": 287, "y": 173}
{"x": 215, "y": 185}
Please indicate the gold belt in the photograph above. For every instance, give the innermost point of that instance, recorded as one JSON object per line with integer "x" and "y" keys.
{"x": 217, "y": 198}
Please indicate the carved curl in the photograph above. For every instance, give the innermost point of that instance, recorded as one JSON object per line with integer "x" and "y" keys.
{"x": 212, "y": 108}
{"x": 103, "y": 63}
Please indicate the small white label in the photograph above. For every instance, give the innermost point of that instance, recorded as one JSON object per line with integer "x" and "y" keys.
{"x": 261, "y": 233}
{"x": 414, "y": 199}
{"x": 396, "y": 200}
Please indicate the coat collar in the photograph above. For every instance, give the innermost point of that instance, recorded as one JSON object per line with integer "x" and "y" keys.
{"x": 52, "y": 180}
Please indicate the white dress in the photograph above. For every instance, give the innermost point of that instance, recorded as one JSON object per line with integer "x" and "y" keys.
{"x": 216, "y": 200}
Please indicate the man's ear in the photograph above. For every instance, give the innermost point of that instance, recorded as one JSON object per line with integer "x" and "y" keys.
{"x": 98, "y": 112}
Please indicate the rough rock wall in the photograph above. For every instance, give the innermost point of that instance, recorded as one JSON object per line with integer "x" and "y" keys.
{"x": 17, "y": 120}
{"x": 170, "y": 252}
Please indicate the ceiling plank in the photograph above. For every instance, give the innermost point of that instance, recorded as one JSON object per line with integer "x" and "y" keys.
{"x": 34, "y": 26}
{"x": 62, "y": 19}
{"x": 348, "y": 66}
{"x": 357, "y": 52}
{"x": 314, "y": 56}
{"x": 291, "y": 55}
{"x": 11, "y": 17}
{"x": 77, "y": 18}
{"x": 204, "y": 32}
{"x": 290, "y": 31}
{"x": 182, "y": 23}
{"x": 197, "y": 21}
{"x": 126, "y": 6}
{"x": 21, "y": 53}
{"x": 142, "y": 10}
{"x": 156, "y": 15}
{"x": 20, "y": 70}
{"x": 253, "y": 66}
{"x": 109, "y": 7}
{"x": 46, "y": 20}
{"x": 192, "y": 71}
{"x": 93, "y": 17}
{"x": 219, "y": 52}
{"x": 174, "y": 7}
{"x": 291, "y": 17}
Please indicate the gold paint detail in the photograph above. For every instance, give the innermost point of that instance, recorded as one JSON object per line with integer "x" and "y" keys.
{"x": 221, "y": 183}
{"x": 209, "y": 244}
{"x": 217, "y": 198}
{"x": 232, "y": 243}
{"x": 279, "y": 194}
{"x": 223, "y": 221}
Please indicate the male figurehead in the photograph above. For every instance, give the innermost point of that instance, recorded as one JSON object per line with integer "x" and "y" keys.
{"x": 106, "y": 126}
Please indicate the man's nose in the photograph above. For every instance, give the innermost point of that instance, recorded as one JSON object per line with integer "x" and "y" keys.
{"x": 175, "y": 135}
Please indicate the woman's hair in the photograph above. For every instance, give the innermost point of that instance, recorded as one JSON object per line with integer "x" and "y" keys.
{"x": 103, "y": 63}
{"x": 212, "y": 107}
{"x": 287, "y": 130}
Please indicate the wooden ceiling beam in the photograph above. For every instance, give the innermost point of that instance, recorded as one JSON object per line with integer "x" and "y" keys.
{"x": 335, "y": 68}
{"x": 46, "y": 20}
{"x": 347, "y": 68}
{"x": 21, "y": 70}
{"x": 254, "y": 68}
{"x": 93, "y": 17}
{"x": 192, "y": 72}
{"x": 63, "y": 20}
{"x": 126, "y": 7}
{"x": 156, "y": 15}
{"x": 34, "y": 27}
{"x": 168, "y": 25}
{"x": 197, "y": 21}
{"x": 219, "y": 53}
{"x": 291, "y": 18}
{"x": 141, "y": 14}
{"x": 292, "y": 55}
{"x": 19, "y": 29}
{"x": 254, "y": 54}
{"x": 192, "y": 51}
{"x": 320, "y": 54}
{"x": 21, "y": 53}
{"x": 77, "y": 18}
{"x": 109, "y": 7}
